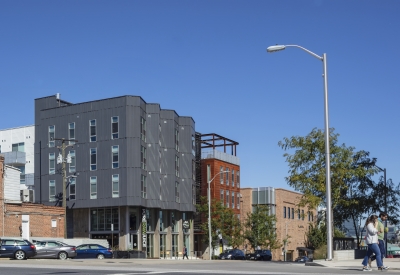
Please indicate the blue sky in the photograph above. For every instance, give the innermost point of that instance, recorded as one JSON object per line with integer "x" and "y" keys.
{"x": 208, "y": 60}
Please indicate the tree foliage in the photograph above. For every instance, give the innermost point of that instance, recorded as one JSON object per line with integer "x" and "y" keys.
{"x": 260, "y": 228}
{"x": 353, "y": 192}
{"x": 224, "y": 222}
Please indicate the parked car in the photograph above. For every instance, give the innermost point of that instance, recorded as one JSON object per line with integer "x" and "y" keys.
{"x": 303, "y": 259}
{"x": 232, "y": 254}
{"x": 54, "y": 249}
{"x": 93, "y": 251}
{"x": 260, "y": 255}
{"x": 16, "y": 248}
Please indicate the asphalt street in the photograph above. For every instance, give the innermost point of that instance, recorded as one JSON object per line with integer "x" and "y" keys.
{"x": 169, "y": 267}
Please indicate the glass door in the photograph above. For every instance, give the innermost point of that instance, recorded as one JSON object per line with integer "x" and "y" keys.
{"x": 150, "y": 246}
{"x": 162, "y": 246}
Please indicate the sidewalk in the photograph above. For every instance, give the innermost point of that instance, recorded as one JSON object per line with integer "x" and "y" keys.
{"x": 394, "y": 263}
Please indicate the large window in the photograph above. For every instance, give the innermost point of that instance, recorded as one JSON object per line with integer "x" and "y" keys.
{"x": 18, "y": 147}
{"x": 292, "y": 213}
{"x": 221, "y": 175}
{"x": 71, "y": 132}
{"x": 102, "y": 218}
{"x": 233, "y": 200}
{"x": 72, "y": 188}
{"x": 176, "y": 191}
{"x": 227, "y": 176}
{"x": 233, "y": 178}
{"x": 92, "y": 130}
{"x": 52, "y": 163}
{"x": 93, "y": 187}
{"x": 52, "y": 130}
{"x": 143, "y": 129}
{"x": 227, "y": 198}
{"x": 115, "y": 186}
{"x": 72, "y": 165}
{"x": 143, "y": 186}
{"x": 302, "y": 215}
{"x": 177, "y": 166}
{"x": 176, "y": 140}
{"x": 114, "y": 127}
{"x": 288, "y": 209}
{"x": 238, "y": 200}
{"x": 115, "y": 156}
{"x": 221, "y": 196}
{"x": 22, "y": 175}
{"x": 284, "y": 212}
{"x": 93, "y": 159}
{"x": 143, "y": 157}
{"x": 52, "y": 190}
{"x": 237, "y": 179}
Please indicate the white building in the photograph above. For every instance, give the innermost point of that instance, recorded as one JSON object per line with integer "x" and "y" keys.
{"x": 17, "y": 146}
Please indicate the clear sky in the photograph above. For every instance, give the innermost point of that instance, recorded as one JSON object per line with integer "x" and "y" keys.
{"x": 208, "y": 60}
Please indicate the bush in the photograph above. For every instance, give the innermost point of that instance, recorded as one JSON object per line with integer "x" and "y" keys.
{"x": 320, "y": 253}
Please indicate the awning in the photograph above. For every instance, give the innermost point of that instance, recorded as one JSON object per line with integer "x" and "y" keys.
{"x": 305, "y": 249}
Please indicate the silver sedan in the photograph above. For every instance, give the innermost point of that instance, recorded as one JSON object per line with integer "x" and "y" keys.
{"x": 54, "y": 249}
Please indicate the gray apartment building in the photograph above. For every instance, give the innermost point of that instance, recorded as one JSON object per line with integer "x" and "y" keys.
{"x": 135, "y": 171}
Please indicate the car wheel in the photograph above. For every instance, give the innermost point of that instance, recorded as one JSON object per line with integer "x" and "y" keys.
{"x": 19, "y": 255}
{"x": 62, "y": 255}
{"x": 100, "y": 256}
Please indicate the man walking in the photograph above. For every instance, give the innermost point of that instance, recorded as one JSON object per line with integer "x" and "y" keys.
{"x": 185, "y": 252}
{"x": 381, "y": 238}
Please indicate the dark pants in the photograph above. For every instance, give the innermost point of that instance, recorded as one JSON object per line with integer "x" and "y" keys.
{"x": 185, "y": 254}
{"x": 382, "y": 249}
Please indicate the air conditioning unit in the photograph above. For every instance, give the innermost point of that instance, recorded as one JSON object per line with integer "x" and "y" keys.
{"x": 26, "y": 195}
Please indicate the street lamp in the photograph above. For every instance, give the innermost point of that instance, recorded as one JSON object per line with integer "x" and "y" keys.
{"x": 384, "y": 178}
{"x": 329, "y": 218}
{"x": 209, "y": 210}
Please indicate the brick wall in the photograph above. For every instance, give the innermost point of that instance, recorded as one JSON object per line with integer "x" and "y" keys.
{"x": 40, "y": 216}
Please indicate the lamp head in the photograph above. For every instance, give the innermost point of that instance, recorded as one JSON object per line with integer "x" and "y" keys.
{"x": 276, "y": 48}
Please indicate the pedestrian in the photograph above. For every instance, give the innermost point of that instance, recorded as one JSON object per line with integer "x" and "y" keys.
{"x": 381, "y": 237}
{"x": 372, "y": 241}
{"x": 185, "y": 252}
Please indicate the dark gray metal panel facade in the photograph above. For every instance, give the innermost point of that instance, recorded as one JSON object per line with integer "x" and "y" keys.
{"x": 129, "y": 110}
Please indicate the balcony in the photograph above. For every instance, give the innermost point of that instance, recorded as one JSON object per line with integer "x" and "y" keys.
{"x": 14, "y": 158}
{"x": 214, "y": 154}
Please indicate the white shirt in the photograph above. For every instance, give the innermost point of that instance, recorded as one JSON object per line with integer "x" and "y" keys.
{"x": 372, "y": 236}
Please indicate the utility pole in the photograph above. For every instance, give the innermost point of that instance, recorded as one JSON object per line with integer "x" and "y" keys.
{"x": 63, "y": 160}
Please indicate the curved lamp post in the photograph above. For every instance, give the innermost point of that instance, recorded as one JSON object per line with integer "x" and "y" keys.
{"x": 329, "y": 218}
{"x": 209, "y": 210}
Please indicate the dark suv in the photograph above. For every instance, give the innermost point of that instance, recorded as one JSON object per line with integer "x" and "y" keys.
{"x": 260, "y": 255}
{"x": 232, "y": 254}
{"x": 19, "y": 249}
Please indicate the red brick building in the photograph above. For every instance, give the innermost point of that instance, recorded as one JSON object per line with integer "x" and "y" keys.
{"x": 25, "y": 219}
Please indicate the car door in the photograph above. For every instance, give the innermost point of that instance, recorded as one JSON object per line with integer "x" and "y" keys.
{"x": 93, "y": 251}
{"x": 52, "y": 249}
{"x": 40, "y": 250}
{"x": 7, "y": 248}
{"x": 82, "y": 251}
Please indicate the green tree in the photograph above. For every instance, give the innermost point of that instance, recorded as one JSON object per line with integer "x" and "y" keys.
{"x": 353, "y": 191}
{"x": 260, "y": 228}
{"x": 223, "y": 221}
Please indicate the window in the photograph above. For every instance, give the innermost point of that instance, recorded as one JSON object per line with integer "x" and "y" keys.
{"x": 72, "y": 189}
{"x": 18, "y": 147}
{"x": 176, "y": 191}
{"x": 237, "y": 179}
{"x": 227, "y": 176}
{"x": 22, "y": 175}
{"x": 143, "y": 187}
{"x": 302, "y": 215}
{"x": 233, "y": 178}
{"x": 143, "y": 157}
{"x": 288, "y": 211}
{"x": 194, "y": 170}
{"x": 93, "y": 159}
{"x": 143, "y": 129}
{"x": 52, "y": 130}
{"x": 292, "y": 213}
{"x": 238, "y": 200}
{"x": 115, "y": 156}
{"x": 72, "y": 165}
{"x": 52, "y": 190}
{"x": 284, "y": 212}
{"x": 298, "y": 214}
{"x": 92, "y": 130}
{"x": 222, "y": 196}
{"x": 114, "y": 127}
{"x": 194, "y": 194}
{"x": 227, "y": 198}
{"x": 177, "y": 166}
{"x": 193, "y": 146}
{"x": 176, "y": 140}
{"x": 52, "y": 163}
{"x": 221, "y": 175}
{"x": 93, "y": 187}
{"x": 233, "y": 200}
{"x": 71, "y": 132}
{"x": 115, "y": 186}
